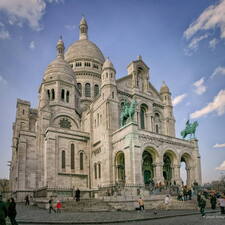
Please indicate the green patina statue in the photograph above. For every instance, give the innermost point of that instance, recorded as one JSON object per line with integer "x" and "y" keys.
{"x": 190, "y": 129}
{"x": 127, "y": 112}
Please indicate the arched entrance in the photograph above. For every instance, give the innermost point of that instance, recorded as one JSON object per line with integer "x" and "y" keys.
{"x": 120, "y": 167}
{"x": 147, "y": 167}
{"x": 185, "y": 169}
{"x": 167, "y": 168}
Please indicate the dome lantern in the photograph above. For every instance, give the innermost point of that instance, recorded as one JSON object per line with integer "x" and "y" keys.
{"x": 60, "y": 48}
{"x": 83, "y": 29}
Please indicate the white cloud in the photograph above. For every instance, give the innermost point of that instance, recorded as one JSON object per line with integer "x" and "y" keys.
{"x": 213, "y": 43}
{"x": 2, "y": 80}
{"x": 219, "y": 70}
{"x": 218, "y": 105}
{"x": 210, "y": 18}
{"x": 30, "y": 11}
{"x": 200, "y": 87}
{"x": 32, "y": 45}
{"x": 193, "y": 45}
{"x": 221, "y": 167}
{"x": 179, "y": 99}
{"x": 219, "y": 146}
{"x": 4, "y": 34}
{"x": 70, "y": 27}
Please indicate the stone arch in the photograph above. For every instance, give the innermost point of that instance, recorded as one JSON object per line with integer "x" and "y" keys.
{"x": 120, "y": 167}
{"x": 169, "y": 160}
{"x": 186, "y": 158}
{"x": 71, "y": 117}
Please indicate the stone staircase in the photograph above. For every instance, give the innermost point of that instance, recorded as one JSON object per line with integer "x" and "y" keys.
{"x": 86, "y": 205}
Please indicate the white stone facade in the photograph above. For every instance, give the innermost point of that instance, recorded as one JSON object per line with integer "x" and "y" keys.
{"x": 75, "y": 138}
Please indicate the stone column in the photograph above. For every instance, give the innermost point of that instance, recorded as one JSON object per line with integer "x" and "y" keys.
{"x": 176, "y": 174}
{"x": 188, "y": 170}
{"x": 148, "y": 121}
{"x": 158, "y": 173}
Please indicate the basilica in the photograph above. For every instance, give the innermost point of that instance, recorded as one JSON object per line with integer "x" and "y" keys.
{"x": 92, "y": 131}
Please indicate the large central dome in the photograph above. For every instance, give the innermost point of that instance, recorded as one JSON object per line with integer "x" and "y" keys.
{"x": 84, "y": 49}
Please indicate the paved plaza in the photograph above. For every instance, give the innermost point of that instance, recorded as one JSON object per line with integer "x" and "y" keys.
{"x": 34, "y": 215}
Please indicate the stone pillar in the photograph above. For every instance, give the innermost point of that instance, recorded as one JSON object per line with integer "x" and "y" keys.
{"x": 159, "y": 173}
{"x": 148, "y": 121}
{"x": 176, "y": 174}
{"x": 188, "y": 170}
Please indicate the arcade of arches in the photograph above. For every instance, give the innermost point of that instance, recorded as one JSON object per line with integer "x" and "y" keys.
{"x": 156, "y": 167}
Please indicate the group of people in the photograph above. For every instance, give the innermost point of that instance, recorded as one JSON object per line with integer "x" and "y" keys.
{"x": 213, "y": 199}
{"x": 8, "y": 210}
{"x": 58, "y": 206}
{"x": 184, "y": 194}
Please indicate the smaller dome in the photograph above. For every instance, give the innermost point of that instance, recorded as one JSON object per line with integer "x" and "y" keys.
{"x": 59, "y": 69}
{"x": 107, "y": 64}
{"x": 164, "y": 88}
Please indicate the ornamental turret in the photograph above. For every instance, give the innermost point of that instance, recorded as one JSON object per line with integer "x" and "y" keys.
{"x": 169, "y": 121}
{"x": 108, "y": 86}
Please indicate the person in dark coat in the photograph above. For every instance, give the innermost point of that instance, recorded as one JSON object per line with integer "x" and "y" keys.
{"x": 213, "y": 201}
{"x": 77, "y": 195}
{"x": 51, "y": 208}
{"x": 12, "y": 211}
{"x": 27, "y": 200}
{"x": 3, "y": 211}
{"x": 202, "y": 204}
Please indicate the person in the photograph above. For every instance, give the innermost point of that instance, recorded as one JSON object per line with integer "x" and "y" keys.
{"x": 198, "y": 198}
{"x": 167, "y": 201}
{"x": 222, "y": 203}
{"x": 27, "y": 200}
{"x": 189, "y": 192}
{"x": 50, "y": 202}
{"x": 213, "y": 201}
{"x": 3, "y": 211}
{"x": 141, "y": 204}
{"x": 12, "y": 211}
{"x": 202, "y": 205}
{"x": 58, "y": 206}
{"x": 77, "y": 195}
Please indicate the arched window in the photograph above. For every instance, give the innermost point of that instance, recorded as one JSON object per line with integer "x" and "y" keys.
{"x": 81, "y": 161}
{"x": 48, "y": 94}
{"x": 96, "y": 90}
{"x": 106, "y": 75}
{"x": 62, "y": 94}
{"x": 113, "y": 94}
{"x": 95, "y": 169}
{"x": 53, "y": 94}
{"x": 87, "y": 90}
{"x": 72, "y": 157}
{"x": 79, "y": 85}
{"x": 99, "y": 170}
{"x": 63, "y": 159}
{"x": 67, "y": 96}
{"x": 143, "y": 116}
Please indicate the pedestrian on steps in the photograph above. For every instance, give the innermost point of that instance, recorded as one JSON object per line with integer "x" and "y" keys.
{"x": 12, "y": 211}
{"x": 202, "y": 205}
{"x": 50, "y": 202}
{"x": 58, "y": 206}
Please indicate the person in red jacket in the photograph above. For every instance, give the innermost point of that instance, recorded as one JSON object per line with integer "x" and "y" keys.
{"x": 58, "y": 206}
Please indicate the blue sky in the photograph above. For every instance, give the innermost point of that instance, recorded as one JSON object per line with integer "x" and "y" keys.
{"x": 183, "y": 43}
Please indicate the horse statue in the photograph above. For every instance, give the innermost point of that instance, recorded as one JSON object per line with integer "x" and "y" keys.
{"x": 190, "y": 129}
{"x": 127, "y": 112}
